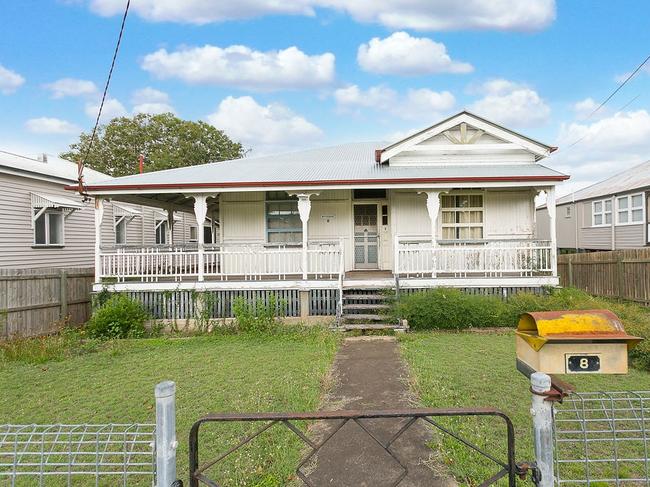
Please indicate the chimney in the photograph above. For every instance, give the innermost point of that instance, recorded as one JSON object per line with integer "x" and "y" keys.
{"x": 42, "y": 157}
{"x": 141, "y": 162}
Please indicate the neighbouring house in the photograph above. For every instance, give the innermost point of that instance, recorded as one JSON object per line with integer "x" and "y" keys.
{"x": 43, "y": 225}
{"x": 608, "y": 215}
{"x": 452, "y": 205}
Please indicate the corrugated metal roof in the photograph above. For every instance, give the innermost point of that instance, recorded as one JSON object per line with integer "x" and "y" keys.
{"x": 349, "y": 162}
{"x": 623, "y": 182}
{"x": 53, "y": 167}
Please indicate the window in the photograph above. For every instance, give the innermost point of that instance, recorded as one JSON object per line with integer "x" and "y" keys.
{"x": 207, "y": 234}
{"x": 194, "y": 234}
{"x": 462, "y": 217}
{"x": 48, "y": 227}
{"x": 283, "y": 224}
{"x": 601, "y": 213}
{"x": 567, "y": 212}
{"x": 161, "y": 232}
{"x": 120, "y": 230}
{"x": 629, "y": 209}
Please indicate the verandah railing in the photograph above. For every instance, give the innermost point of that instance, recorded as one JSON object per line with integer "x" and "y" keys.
{"x": 240, "y": 261}
{"x": 416, "y": 257}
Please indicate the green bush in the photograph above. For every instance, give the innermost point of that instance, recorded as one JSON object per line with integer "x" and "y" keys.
{"x": 258, "y": 316}
{"x": 118, "y": 317}
{"x": 444, "y": 308}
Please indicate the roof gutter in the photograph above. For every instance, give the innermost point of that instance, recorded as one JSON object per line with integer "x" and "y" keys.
{"x": 337, "y": 182}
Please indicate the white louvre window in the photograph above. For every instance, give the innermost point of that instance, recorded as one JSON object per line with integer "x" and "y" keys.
{"x": 120, "y": 230}
{"x": 161, "y": 232}
{"x": 629, "y": 209}
{"x": 462, "y": 217}
{"x": 601, "y": 213}
{"x": 48, "y": 227}
{"x": 283, "y": 224}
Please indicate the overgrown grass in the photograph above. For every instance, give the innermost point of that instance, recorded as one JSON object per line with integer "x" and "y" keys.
{"x": 465, "y": 369}
{"x": 69, "y": 342}
{"x": 451, "y": 309}
{"x": 261, "y": 372}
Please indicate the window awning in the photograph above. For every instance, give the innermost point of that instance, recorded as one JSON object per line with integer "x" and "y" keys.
{"x": 120, "y": 210}
{"x": 162, "y": 215}
{"x": 40, "y": 200}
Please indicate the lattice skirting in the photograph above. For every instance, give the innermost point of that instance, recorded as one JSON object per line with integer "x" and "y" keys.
{"x": 181, "y": 305}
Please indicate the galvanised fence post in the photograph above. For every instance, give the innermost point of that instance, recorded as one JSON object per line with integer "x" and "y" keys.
{"x": 542, "y": 413}
{"x": 166, "y": 443}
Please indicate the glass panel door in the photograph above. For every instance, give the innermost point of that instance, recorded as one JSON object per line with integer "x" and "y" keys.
{"x": 366, "y": 241}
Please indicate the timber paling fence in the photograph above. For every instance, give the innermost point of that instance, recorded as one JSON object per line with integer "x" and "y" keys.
{"x": 623, "y": 274}
{"x": 37, "y": 301}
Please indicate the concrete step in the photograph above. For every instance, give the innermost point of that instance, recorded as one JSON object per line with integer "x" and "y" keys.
{"x": 371, "y": 326}
{"x": 365, "y": 306}
{"x": 363, "y": 316}
{"x": 364, "y": 297}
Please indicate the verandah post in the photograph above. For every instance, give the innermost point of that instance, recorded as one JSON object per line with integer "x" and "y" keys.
{"x": 304, "y": 209}
{"x": 200, "y": 212}
{"x": 550, "y": 208}
{"x": 99, "y": 216}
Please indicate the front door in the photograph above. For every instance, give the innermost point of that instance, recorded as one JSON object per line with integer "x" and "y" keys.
{"x": 366, "y": 241}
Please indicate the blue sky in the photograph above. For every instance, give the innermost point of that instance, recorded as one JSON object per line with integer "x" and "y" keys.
{"x": 320, "y": 72}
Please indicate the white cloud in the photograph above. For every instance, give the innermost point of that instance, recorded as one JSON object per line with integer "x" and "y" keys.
{"x": 415, "y": 104}
{"x": 150, "y": 100}
{"x": 241, "y": 66}
{"x": 48, "y": 125}
{"x": 265, "y": 128}
{"x": 517, "y": 15}
{"x": 10, "y": 81}
{"x": 584, "y": 108}
{"x": 619, "y": 78}
{"x": 64, "y": 87}
{"x": 204, "y": 11}
{"x": 402, "y": 54}
{"x": 112, "y": 108}
{"x": 604, "y": 147}
{"x": 511, "y": 104}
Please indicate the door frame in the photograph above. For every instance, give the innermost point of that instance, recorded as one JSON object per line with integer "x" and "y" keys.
{"x": 377, "y": 203}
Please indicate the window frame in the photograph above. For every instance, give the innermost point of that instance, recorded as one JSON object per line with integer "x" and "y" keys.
{"x": 118, "y": 220}
{"x": 603, "y": 213}
{"x": 268, "y": 200}
{"x": 158, "y": 224}
{"x": 457, "y": 209}
{"x": 195, "y": 229}
{"x": 46, "y": 216}
{"x": 630, "y": 209}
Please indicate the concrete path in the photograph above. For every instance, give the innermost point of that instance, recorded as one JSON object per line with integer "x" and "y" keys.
{"x": 368, "y": 373}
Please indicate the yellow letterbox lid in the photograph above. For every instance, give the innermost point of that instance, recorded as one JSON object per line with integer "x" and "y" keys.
{"x": 539, "y": 328}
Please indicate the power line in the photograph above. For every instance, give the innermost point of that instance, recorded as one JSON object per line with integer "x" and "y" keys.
{"x": 82, "y": 162}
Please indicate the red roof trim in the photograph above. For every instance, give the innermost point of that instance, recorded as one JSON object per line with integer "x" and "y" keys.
{"x": 336, "y": 182}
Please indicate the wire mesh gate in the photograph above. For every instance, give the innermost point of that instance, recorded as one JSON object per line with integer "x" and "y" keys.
{"x": 103, "y": 454}
{"x": 603, "y": 438}
{"x": 200, "y": 475}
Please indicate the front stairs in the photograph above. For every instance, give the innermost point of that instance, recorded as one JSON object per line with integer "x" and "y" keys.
{"x": 367, "y": 309}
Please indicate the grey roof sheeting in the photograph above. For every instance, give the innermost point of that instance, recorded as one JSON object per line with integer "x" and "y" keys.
{"x": 352, "y": 163}
{"x": 633, "y": 178}
{"x": 54, "y": 167}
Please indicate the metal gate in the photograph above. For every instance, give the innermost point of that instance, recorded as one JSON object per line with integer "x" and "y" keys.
{"x": 602, "y": 438}
{"x": 204, "y": 472}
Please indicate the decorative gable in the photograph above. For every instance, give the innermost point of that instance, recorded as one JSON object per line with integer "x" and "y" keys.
{"x": 464, "y": 139}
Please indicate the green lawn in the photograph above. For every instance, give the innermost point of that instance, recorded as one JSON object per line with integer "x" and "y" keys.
{"x": 283, "y": 372}
{"x": 478, "y": 369}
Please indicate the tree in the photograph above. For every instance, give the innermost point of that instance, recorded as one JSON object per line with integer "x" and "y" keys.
{"x": 165, "y": 140}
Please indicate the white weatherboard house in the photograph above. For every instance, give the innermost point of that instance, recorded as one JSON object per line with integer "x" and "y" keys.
{"x": 452, "y": 205}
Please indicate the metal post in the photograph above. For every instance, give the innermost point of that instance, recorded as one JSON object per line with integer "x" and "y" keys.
{"x": 542, "y": 413}
{"x": 166, "y": 434}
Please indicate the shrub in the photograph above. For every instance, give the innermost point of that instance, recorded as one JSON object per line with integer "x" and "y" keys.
{"x": 259, "y": 316}
{"x": 444, "y": 308}
{"x": 118, "y": 317}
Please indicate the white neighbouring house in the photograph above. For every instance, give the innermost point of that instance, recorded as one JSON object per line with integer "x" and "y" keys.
{"x": 452, "y": 205}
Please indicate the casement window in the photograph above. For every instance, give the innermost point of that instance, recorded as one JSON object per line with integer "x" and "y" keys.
{"x": 601, "y": 213}
{"x": 462, "y": 216}
{"x": 207, "y": 234}
{"x": 120, "y": 230}
{"x": 161, "y": 232}
{"x": 194, "y": 234}
{"x": 629, "y": 209}
{"x": 283, "y": 224}
{"x": 48, "y": 227}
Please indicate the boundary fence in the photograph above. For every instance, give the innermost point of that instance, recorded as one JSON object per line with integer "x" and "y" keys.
{"x": 623, "y": 274}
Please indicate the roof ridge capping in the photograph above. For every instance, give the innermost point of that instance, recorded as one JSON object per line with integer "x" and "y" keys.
{"x": 452, "y": 121}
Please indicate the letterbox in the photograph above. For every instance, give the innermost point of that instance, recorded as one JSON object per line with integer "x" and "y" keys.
{"x": 574, "y": 342}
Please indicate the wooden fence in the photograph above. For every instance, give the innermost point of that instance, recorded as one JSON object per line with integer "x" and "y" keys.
{"x": 621, "y": 274}
{"x": 37, "y": 301}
